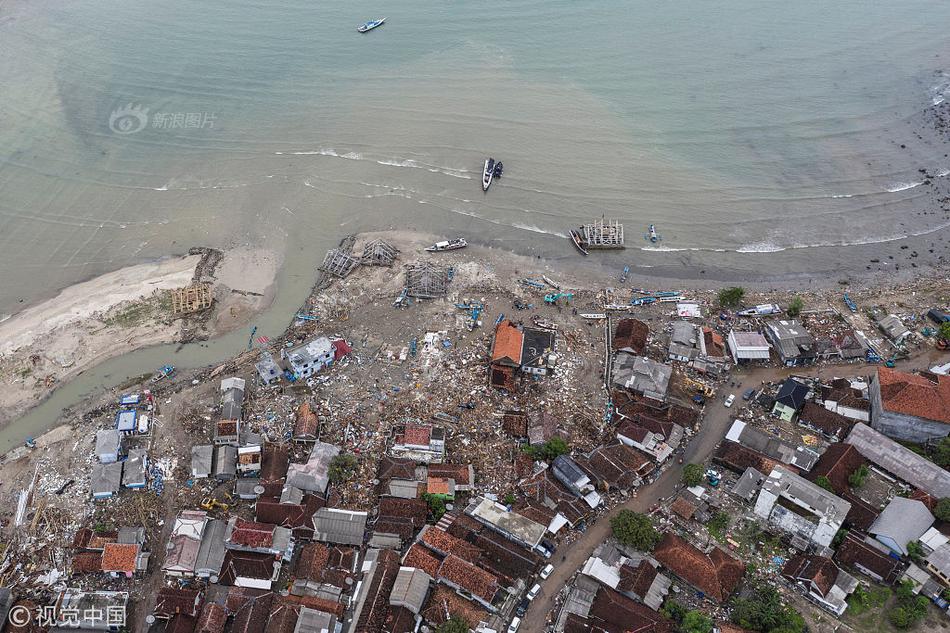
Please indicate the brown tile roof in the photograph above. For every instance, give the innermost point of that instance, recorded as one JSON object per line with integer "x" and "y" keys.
{"x": 616, "y": 466}
{"x": 323, "y": 563}
{"x": 854, "y": 551}
{"x": 737, "y": 457}
{"x": 415, "y": 434}
{"x": 683, "y": 507}
{"x": 542, "y": 487}
{"x": 401, "y": 516}
{"x": 507, "y": 344}
{"x": 252, "y": 534}
{"x": 631, "y": 333}
{"x": 422, "y": 558}
{"x": 399, "y": 620}
{"x": 837, "y": 463}
{"x": 320, "y": 604}
{"x": 637, "y": 579}
{"x": 922, "y": 395}
{"x": 717, "y": 574}
{"x": 87, "y": 538}
{"x": 394, "y": 468}
{"x": 283, "y": 617}
{"x": 213, "y": 618}
{"x": 274, "y": 462}
{"x": 536, "y": 512}
{"x": 227, "y": 427}
{"x": 819, "y": 570}
{"x": 296, "y": 516}
{"x": 458, "y": 472}
{"x": 828, "y": 422}
{"x": 239, "y": 564}
{"x": 181, "y": 623}
{"x": 87, "y": 563}
{"x": 641, "y": 409}
{"x": 444, "y": 543}
{"x": 376, "y": 606}
{"x": 503, "y": 557}
{"x": 615, "y": 613}
{"x": 443, "y": 602}
{"x": 239, "y": 596}
{"x": 171, "y": 601}
{"x": 862, "y": 514}
{"x": 119, "y": 557}
{"x": 307, "y": 423}
{"x": 515, "y": 423}
{"x": 467, "y": 576}
{"x": 252, "y": 616}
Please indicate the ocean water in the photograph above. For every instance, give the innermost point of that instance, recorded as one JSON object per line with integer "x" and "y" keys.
{"x": 764, "y": 139}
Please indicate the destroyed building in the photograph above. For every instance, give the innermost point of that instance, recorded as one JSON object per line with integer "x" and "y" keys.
{"x": 808, "y": 513}
{"x": 519, "y": 349}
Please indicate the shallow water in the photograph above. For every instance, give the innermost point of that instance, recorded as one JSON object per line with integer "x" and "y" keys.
{"x": 758, "y": 136}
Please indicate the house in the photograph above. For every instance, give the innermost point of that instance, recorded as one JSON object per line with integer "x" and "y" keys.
{"x": 807, "y": 512}
{"x": 371, "y": 603}
{"x": 794, "y": 344}
{"x": 712, "y": 347}
{"x": 837, "y": 464}
{"x": 211, "y": 551}
{"x": 748, "y": 346}
{"x": 643, "y": 439}
{"x": 126, "y": 421}
{"x": 462, "y": 474}
{"x": 410, "y": 589}
{"x": 938, "y": 563}
{"x": 715, "y": 574}
{"x": 631, "y": 336}
{"x": 306, "y": 425}
{"x": 133, "y": 472}
{"x": 903, "y": 521}
{"x": 314, "y": 621}
{"x": 684, "y": 342}
{"x": 771, "y": 446}
{"x": 441, "y": 488}
{"x": 77, "y": 609}
{"x": 748, "y": 485}
{"x": 910, "y": 407}
{"x": 869, "y": 558}
{"x": 251, "y": 536}
{"x": 313, "y": 475}
{"x": 344, "y": 527}
{"x": 325, "y": 571}
{"x": 549, "y": 503}
{"x": 900, "y": 461}
{"x": 232, "y": 398}
{"x": 688, "y": 310}
{"x": 574, "y": 479}
{"x": 105, "y": 480}
{"x": 612, "y": 612}
{"x": 267, "y": 369}
{"x": 663, "y": 419}
{"x": 823, "y": 582}
{"x": 849, "y": 345}
{"x": 227, "y": 432}
{"x": 123, "y": 559}
{"x": 249, "y": 461}
{"x": 893, "y": 328}
{"x": 832, "y": 426}
{"x": 790, "y": 399}
{"x": 519, "y": 349}
{"x": 108, "y": 445}
{"x": 202, "y": 458}
{"x": 309, "y": 358}
{"x": 182, "y": 550}
{"x": 419, "y": 442}
{"x": 847, "y": 398}
{"x": 738, "y": 458}
{"x": 249, "y": 569}
{"x": 616, "y": 466}
{"x": 634, "y": 575}
{"x": 225, "y": 463}
{"x": 510, "y": 524}
{"x": 171, "y": 602}
{"x": 641, "y": 375}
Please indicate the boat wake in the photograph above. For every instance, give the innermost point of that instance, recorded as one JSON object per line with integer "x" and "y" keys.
{"x": 386, "y": 162}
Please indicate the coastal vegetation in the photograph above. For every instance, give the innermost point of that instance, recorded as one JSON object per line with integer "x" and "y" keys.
{"x": 731, "y": 297}
{"x": 766, "y": 613}
{"x": 634, "y": 529}
{"x": 795, "y": 306}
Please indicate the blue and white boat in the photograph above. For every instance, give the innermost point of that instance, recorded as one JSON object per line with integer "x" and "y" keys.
{"x": 369, "y": 26}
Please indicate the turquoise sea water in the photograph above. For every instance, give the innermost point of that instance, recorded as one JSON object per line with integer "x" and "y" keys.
{"x": 757, "y": 135}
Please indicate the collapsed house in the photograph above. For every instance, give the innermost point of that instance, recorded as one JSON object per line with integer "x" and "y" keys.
{"x": 794, "y": 344}
{"x": 808, "y": 513}
{"x": 824, "y": 583}
{"x": 641, "y": 375}
{"x": 519, "y": 349}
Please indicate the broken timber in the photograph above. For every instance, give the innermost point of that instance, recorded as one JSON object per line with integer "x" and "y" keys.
{"x": 339, "y": 263}
{"x": 193, "y": 298}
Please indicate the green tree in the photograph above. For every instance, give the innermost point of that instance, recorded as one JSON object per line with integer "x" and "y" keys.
{"x": 696, "y": 622}
{"x": 942, "y": 509}
{"x": 454, "y": 624}
{"x": 915, "y": 550}
{"x": 909, "y": 609}
{"x": 674, "y": 610}
{"x": 634, "y": 529}
{"x": 825, "y": 483}
{"x": 857, "y": 478}
{"x": 718, "y": 524}
{"x": 944, "y": 331}
{"x": 765, "y": 612}
{"x": 692, "y": 474}
{"x": 550, "y": 450}
{"x": 731, "y": 297}
{"x": 342, "y": 467}
{"x": 795, "y": 306}
{"x": 941, "y": 454}
{"x": 839, "y": 538}
{"x": 436, "y": 505}
{"x": 509, "y": 499}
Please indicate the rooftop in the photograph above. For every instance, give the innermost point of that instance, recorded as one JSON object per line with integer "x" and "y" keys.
{"x": 507, "y": 344}
{"x": 924, "y": 395}
{"x": 120, "y": 557}
{"x": 717, "y": 574}
{"x": 900, "y": 461}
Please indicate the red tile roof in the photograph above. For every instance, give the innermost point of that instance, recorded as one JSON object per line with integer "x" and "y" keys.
{"x": 815, "y": 569}
{"x": 837, "y": 463}
{"x": 683, "y": 507}
{"x": 443, "y": 602}
{"x": 458, "y": 472}
{"x": 717, "y": 574}
{"x": 508, "y": 343}
{"x": 422, "y": 558}
{"x": 922, "y": 395}
{"x": 252, "y": 534}
{"x": 376, "y": 605}
{"x": 444, "y": 543}
{"x": 415, "y": 434}
{"x": 438, "y": 486}
{"x": 87, "y": 562}
{"x": 87, "y": 538}
{"x": 119, "y": 557}
{"x": 467, "y": 576}
{"x": 631, "y": 333}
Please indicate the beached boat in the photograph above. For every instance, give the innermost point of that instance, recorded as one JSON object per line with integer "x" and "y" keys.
{"x": 578, "y": 240}
{"x": 369, "y": 26}
{"x": 599, "y": 234}
{"x": 488, "y": 173}
{"x": 448, "y": 245}
{"x": 551, "y": 282}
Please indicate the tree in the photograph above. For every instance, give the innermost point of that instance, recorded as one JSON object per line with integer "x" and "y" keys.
{"x": 454, "y": 624}
{"x": 554, "y": 448}
{"x": 436, "y": 505}
{"x": 795, "y": 306}
{"x": 941, "y": 454}
{"x": 509, "y": 499}
{"x": 825, "y": 483}
{"x": 915, "y": 550}
{"x": 731, "y": 297}
{"x": 692, "y": 474}
{"x": 342, "y": 467}
{"x": 718, "y": 524}
{"x": 942, "y": 509}
{"x": 944, "y": 330}
{"x": 634, "y": 529}
{"x": 696, "y": 622}
{"x": 765, "y": 612}
{"x": 857, "y": 478}
{"x": 910, "y": 608}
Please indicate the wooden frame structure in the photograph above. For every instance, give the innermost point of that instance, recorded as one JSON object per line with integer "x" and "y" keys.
{"x": 603, "y": 234}
{"x": 339, "y": 263}
{"x": 193, "y": 298}
{"x": 425, "y": 280}
{"x": 379, "y": 253}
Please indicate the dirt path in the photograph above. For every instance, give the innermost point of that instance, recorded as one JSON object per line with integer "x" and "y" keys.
{"x": 569, "y": 559}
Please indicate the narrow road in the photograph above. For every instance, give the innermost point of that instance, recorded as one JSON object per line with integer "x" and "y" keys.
{"x": 570, "y": 558}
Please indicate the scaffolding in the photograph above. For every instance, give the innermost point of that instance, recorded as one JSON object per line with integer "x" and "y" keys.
{"x": 378, "y": 253}
{"x": 193, "y": 298}
{"x": 603, "y": 234}
{"x": 425, "y": 280}
{"x": 339, "y": 263}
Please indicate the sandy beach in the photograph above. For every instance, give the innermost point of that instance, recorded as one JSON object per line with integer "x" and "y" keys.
{"x": 48, "y": 344}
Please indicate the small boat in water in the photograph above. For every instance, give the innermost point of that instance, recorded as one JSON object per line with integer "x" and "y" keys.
{"x": 449, "y": 245}
{"x": 369, "y": 26}
{"x": 652, "y": 234}
{"x": 488, "y": 173}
